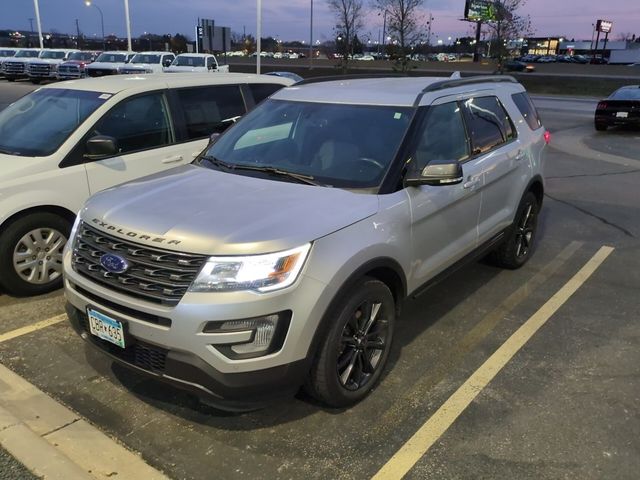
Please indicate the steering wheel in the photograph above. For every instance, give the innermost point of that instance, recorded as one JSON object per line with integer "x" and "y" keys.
{"x": 371, "y": 162}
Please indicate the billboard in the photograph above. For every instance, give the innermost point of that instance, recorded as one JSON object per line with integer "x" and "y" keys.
{"x": 479, "y": 10}
{"x": 604, "y": 26}
{"x": 213, "y": 38}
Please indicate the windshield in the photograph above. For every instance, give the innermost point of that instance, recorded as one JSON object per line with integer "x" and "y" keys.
{"x": 7, "y": 53}
{"x": 189, "y": 61}
{"x": 112, "y": 58}
{"x": 626, "y": 94}
{"x": 52, "y": 55}
{"x": 347, "y": 146}
{"x": 144, "y": 58}
{"x": 80, "y": 56}
{"x": 26, "y": 127}
{"x": 27, "y": 53}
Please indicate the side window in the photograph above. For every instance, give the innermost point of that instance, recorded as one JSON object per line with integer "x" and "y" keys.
{"x": 260, "y": 91}
{"x": 210, "y": 63}
{"x": 489, "y": 123}
{"x": 139, "y": 123}
{"x": 206, "y": 108}
{"x": 527, "y": 109}
{"x": 443, "y": 136}
{"x": 167, "y": 59}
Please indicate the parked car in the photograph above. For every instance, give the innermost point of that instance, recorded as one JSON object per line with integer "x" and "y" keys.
{"x": 196, "y": 62}
{"x": 293, "y": 76}
{"x": 547, "y": 59}
{"x": 622, "y": 107}
{"x": 281, "y": 257}
{"x": 45, "y": 67}
{"x": 516, "y": 66}
{"x": 108, "y": 63}
{"x": 66, "y": 141}
{"x": 4, "y": 54}
{"x": 598, "y": 61}
{"x": 15, "y": 67}
{"x": 148, "y": 62}
{"x": 75, "y": 66}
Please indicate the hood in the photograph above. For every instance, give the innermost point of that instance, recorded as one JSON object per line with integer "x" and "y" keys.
{"x": 107, "y": 65}
{"x": 15, "y": 167}
{"x": 47, "y": 61}
{"x": 184, "y": 69}
{"x": 197, "y": 210}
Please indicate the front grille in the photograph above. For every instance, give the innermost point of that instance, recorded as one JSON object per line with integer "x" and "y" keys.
{"x": 129, "y": 71}
{"x": 155, "y": 275}
{"x": 40, "y": 70}
{"x": 14, "y": 68}
{"x": 100, "y": 72}
{"x": 138, "y": 353}
{"x": 71, "y": 71}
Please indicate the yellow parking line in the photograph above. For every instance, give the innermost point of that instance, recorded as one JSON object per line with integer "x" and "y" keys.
{"x": 18, "y": 332}
{"x": 444, "y": 417}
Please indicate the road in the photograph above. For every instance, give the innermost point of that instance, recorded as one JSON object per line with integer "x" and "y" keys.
{"x": 565, "y": 405}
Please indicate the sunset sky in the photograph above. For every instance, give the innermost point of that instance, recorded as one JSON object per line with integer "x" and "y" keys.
{"x": 289, "y": 19}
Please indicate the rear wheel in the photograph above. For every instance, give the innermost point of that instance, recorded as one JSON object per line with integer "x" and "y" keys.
{"x": 36, "y": 81}
{"x": 31, "y": 254}
{"x": 354, "y": 352}
{"x": 601, "y": 127}
{"x": 518, "y": 244}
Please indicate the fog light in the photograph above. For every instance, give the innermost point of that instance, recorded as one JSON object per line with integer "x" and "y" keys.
{"x": 267, "y": 334}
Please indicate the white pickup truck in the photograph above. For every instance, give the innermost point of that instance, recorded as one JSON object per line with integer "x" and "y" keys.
{"x": 45, "y": 67}
{"x": 148, "y": 62}
{"x": 196, "y": 62}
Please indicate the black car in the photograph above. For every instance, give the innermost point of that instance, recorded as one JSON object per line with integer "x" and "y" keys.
{"x": 517, "y": 66}
{"x": 622, "y": 107}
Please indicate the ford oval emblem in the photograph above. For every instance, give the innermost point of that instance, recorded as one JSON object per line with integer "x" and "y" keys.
{"x": 113, "y": 263}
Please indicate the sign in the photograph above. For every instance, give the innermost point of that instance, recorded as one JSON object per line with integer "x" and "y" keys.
{"x": 604, "y": 26}
{"x": 480, "y": 10}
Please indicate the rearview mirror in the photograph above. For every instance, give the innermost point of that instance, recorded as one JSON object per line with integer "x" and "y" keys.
{"x": 437, "y": 173}
{"x": 213, "y": 138}
{"x": 101, "y": 146}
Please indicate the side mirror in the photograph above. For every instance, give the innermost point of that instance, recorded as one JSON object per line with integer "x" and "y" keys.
{"x": 168, "y": 62}
{"x": 101, "y": 146}
{"x": 437, "y": 173}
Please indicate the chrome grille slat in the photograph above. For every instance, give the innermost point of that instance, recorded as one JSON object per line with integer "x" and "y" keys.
{"x": 155, "y": 275}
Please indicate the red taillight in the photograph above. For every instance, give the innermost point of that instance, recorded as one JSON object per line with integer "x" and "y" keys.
{"x": 547, "y": 137}
{"x": 602, "y": 105}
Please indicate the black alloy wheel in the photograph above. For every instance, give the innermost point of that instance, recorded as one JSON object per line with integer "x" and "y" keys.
{"x": 518, "y": 245}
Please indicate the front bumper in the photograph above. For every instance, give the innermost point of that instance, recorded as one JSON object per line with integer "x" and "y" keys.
{"x": 170, "y": 343}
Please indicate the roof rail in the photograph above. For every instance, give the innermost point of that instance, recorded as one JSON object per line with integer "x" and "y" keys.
{"x": 457, "y": 82}
{"x": 354, "y": 76}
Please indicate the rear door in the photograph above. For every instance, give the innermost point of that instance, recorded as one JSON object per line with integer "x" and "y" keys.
{"x": 444, "y": 218}
{"x": 496, "y": 148}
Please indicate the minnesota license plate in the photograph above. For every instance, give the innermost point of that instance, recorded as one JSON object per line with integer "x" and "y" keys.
{"x": 105, "y": 327}
{"x": 622, "y": 114}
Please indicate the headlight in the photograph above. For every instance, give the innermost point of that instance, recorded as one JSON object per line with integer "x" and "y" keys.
{"x": 262, "y": 273}
{"x": 54, "y": 68}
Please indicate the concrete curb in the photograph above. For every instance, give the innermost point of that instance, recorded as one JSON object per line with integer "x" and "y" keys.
{"x": 55, "y": 443}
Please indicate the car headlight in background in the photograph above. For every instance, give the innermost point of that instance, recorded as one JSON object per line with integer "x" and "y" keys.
{"x": 261, "y": 273}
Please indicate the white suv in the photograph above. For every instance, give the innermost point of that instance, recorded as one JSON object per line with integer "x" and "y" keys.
{"x": 66, "y": 141}
{"x": 148, "y": 62}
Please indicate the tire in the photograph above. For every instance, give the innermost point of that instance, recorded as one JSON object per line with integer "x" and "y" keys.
{"x": 38, "y": 240}
{"x": 518, "y": 245}
{"x": 353, "y": 353}
{"x": 601, "y": 127}
{"x": 36, "y": 81}
{"x": 10, "y": 79}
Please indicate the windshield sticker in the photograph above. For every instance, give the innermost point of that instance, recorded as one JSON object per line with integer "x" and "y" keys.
{"x": 105, "y": 96}
{"x": 397, "y": 116}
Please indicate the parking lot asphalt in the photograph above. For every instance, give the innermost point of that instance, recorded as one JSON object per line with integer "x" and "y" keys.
{"x": 565, "y": 406}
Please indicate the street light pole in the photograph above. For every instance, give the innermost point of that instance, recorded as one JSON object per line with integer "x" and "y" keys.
{"x": 384, "y": 33}
{"x": 35, "y": 4}
{"x": 126, "y": 13}
{"x": 311, "y": 38}
{"x": 258, "y": 34}
{"x": 89, "y": 4}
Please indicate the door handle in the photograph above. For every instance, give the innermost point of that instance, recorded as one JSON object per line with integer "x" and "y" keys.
{"x": 520, "y": 156}
{"x": 471, "y": 184}
{"x": 176, "y": 159}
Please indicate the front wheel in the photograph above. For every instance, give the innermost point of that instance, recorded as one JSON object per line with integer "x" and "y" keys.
{"x": 36, "y": 81}
{"x": 354, "y": 351}
{"x": 601, "y": 127}
{"x": 518, "y": 244}
{"x": 31, "y": 254}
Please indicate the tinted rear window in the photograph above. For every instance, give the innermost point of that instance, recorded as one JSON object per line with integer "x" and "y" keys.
{"x": 527, "y": 109}
{"x": 489, "y": 123}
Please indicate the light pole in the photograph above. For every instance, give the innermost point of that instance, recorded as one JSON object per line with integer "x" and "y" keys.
{"x": 311, "y": 38}
{"x": 126, "y": 13}
{"x": 89, "y": 4}
{"x": 258, "y": 33}
{"x": 35, "y": 4}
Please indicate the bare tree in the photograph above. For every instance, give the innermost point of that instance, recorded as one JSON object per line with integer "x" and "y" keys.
{"x": 405, "y": 24}
{"x": 626, "y": 36}
{"x": 349, "y": 20}
{"x": 507, "y": 25}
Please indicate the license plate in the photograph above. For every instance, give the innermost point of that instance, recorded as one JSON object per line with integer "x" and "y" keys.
{"x": 105, "y": 327}
{"x": 622, "y": 114}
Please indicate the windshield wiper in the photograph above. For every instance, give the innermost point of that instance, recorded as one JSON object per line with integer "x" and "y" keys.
{"x": 307, "y": 179}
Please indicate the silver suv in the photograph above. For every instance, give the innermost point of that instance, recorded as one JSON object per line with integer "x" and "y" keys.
{"x": 282, "y": 255}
